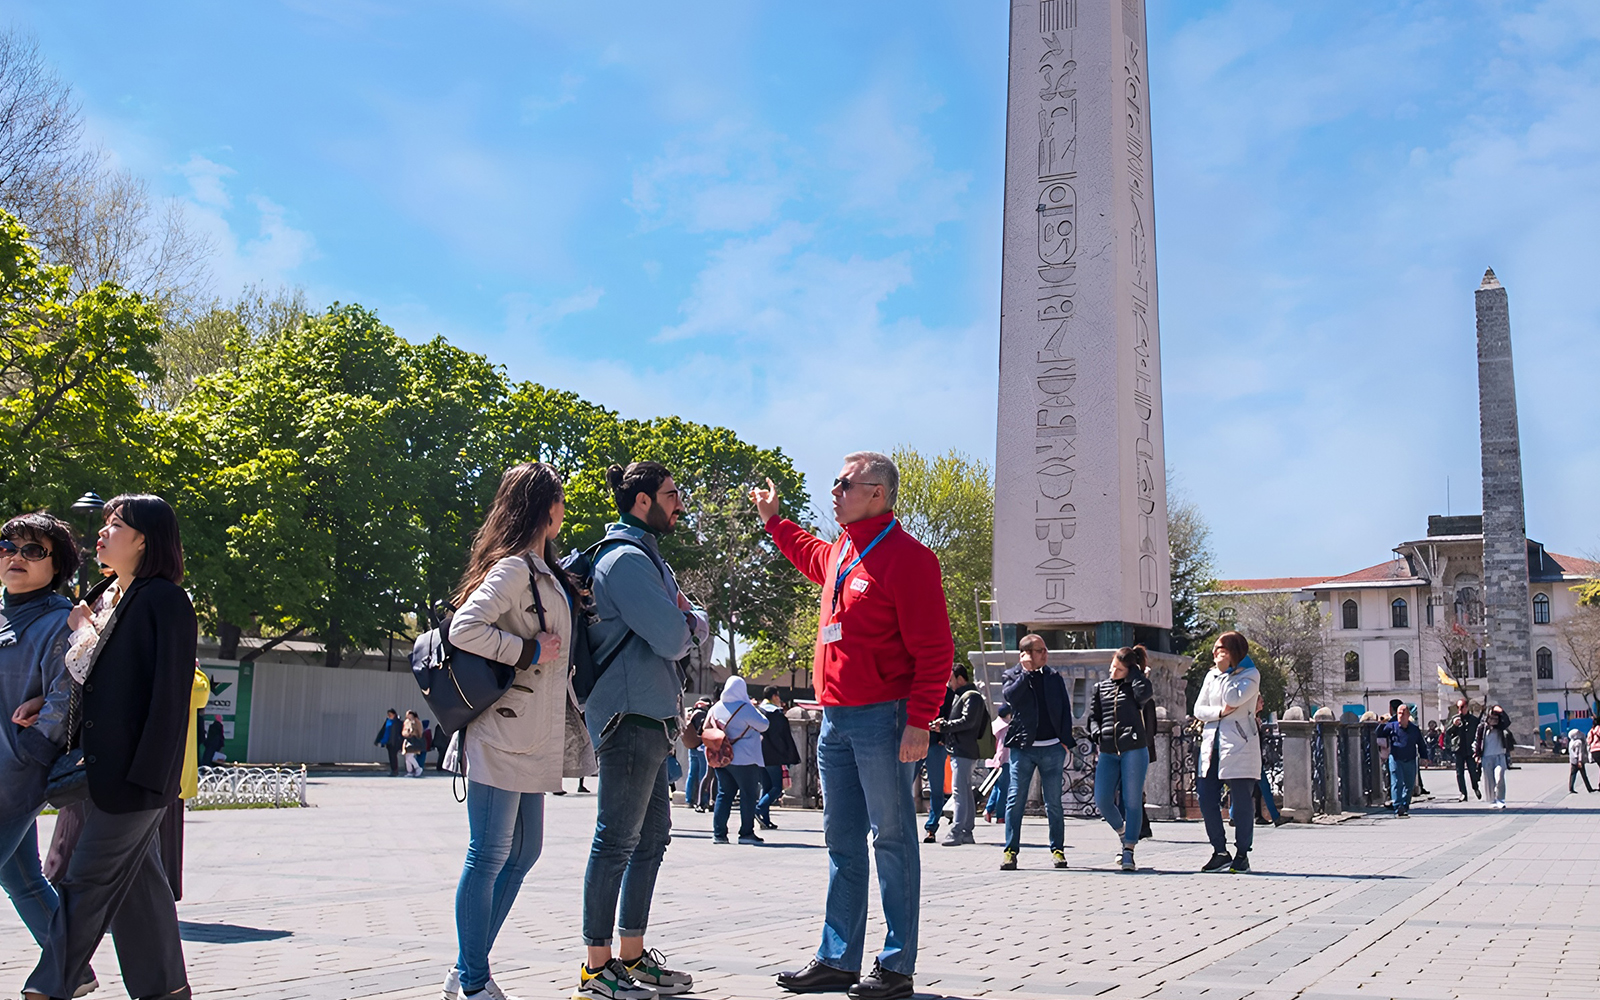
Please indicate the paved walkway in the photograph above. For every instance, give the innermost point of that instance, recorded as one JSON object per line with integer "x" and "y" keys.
{"x": 353, "y": 899}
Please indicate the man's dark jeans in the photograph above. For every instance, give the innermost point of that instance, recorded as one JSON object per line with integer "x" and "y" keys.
{"x": 394, "y": 759}
{"x": 1466, "y": 763}
{"x": 633, "y": 823}
{"x": 933, "y": 767}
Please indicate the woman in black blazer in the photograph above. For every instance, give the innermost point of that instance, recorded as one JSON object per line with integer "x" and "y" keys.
{"x": 135, "y": 721}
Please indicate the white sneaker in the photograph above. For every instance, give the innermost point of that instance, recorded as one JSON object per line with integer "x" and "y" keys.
{"x": 490, "y": 991}
{"x": 90, "y": 987}
{"x": 452, "y": 984}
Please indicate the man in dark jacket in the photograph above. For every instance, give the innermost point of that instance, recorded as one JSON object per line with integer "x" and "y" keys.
{"x": 1405, "y": 742}
{"x": 215, "y": 739}
{"x": 1041, "y": 731}
{"x": 959, "y": 728}
{"x": 1458, "y": 740}
{"x": 389, "y": 737}
{"x": 777, "y": 751}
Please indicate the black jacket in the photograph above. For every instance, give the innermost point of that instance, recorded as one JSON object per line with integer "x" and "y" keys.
{"x": 1460, "y": 734}
{"x": 1033, "y": 692}
{"x": 136, "y": 700}
{"x": 777, "y": 743}
{"x": 964, "y": 722}
{"x": 1122, "y": 715}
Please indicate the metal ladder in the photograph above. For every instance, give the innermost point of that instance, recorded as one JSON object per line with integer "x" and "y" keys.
{"x": 991, "y": 643}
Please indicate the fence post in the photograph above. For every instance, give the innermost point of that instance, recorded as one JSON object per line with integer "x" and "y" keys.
{"x": 1355, "y": 792}
{"x": 1297, "y": 802}
{"x": 1327, "y": 739}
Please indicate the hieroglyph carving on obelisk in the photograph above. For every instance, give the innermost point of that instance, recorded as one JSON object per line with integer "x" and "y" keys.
{"x": 1080, "y": 485}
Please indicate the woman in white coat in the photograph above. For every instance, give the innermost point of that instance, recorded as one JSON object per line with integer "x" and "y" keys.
{"x": 1230, "y": 751}
{"x": 514, "y": 608}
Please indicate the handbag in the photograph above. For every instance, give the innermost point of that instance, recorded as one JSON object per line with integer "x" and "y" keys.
{"x": 68, "y": 783}
{"x": 457, "y": 685}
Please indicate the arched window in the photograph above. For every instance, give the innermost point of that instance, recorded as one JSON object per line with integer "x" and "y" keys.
{"x": 1402, "y": 665}
{"x": 1399, "y": 613}
{"x": 1352, "y": 667}
{"x": 1480, "y": 663}
{"x": 1546, "y": 663}
{"x": 1351, "y": 616}
{"x": 1541, "y": 609}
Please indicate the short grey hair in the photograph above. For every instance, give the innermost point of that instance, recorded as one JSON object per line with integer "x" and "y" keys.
{"x": 882, "y": 470}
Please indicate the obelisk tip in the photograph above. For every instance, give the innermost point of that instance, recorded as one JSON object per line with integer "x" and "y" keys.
{"x": 1489, "y": 280}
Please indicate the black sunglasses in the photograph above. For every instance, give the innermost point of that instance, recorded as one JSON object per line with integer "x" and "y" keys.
{"x": 842, "y": 483}
{"x": 31, "y": 551}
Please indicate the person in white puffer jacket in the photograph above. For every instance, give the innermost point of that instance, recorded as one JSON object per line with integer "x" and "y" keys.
{"x": 1230, "y": 751}
{"x": 1577, "y": 756}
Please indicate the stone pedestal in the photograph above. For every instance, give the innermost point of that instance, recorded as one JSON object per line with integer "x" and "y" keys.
{"x": 1296, "y": 770}
{"x": 1328, "y": 733}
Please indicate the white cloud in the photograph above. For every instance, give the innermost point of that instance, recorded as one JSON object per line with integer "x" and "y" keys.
{"x": 206, "y": 181}
{"x": 258, "y": 247}
{"x": 725, "y": 178}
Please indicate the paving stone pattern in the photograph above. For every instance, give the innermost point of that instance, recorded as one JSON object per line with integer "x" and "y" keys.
{"x": 354, "y": 899}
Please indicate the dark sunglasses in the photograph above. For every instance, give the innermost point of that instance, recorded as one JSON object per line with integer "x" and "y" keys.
{"x": 31, "y": 551}
{"x": 845, "y": 484}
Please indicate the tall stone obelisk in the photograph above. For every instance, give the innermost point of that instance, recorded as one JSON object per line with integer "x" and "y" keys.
{"x": 1505, "y": 540}
{"x": 1080, "y": 470}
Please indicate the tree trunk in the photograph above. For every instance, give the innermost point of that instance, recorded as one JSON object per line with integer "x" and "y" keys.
{"x": 733, "y": 651}
{"x": 228, "y": 637}
{"x": 331, "y": 644}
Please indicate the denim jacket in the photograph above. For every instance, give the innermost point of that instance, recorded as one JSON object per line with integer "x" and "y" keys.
{"x": 33, "y": 648}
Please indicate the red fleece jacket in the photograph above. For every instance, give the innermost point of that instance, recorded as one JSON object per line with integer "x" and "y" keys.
{"x": 896, "y": 640}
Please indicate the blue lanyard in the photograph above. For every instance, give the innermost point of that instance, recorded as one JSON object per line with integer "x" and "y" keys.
{"x": 844, "y": 571}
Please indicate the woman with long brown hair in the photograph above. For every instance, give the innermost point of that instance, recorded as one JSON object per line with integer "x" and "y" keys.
{"x": 515, "y": 608}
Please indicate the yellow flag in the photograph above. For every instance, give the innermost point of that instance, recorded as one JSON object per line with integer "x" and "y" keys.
{"x": 1446, "y": 679}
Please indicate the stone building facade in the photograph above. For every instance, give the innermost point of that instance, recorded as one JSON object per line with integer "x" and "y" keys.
{"x": 1382, "y": 625}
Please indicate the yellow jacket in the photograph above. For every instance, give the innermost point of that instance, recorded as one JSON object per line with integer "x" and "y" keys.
{"x": 199, "y": 695}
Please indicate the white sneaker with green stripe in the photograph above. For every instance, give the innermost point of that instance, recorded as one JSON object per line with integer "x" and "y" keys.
{"x": 651, "y": 970}
{"x": 611, "y": 981}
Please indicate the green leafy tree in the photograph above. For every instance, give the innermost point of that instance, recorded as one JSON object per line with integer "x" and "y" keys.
{"x": 1193, "y": 570}
{"x": 299, "y": 503}
{"x": 71, "y": 369}
{"x": 947, "y": 503}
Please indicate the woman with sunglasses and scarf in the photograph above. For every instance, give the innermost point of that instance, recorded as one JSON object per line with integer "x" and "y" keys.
{"x": 37, "y": 555}
{"x": 134, "y": 670}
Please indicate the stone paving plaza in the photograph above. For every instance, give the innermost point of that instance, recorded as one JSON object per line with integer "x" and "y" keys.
{"x": 353, "y": 898}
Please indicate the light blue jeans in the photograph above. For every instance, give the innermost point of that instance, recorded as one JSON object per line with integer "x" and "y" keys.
{"x": 1402, "y": 775}
{"x": 507, "y": 833}
{"x": 1000, "y": 794}
{"x": 697, "y": 777}
{"x": 1049, "y": 762}
{"x": 933, "y": 768}
{"x": 21, "y": 877}
{"x": 1494, "y": 776}
{"x": 867, "y": 790}
{"x": 1123, "y": 770}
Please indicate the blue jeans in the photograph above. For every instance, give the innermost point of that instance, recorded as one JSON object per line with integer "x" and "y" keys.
{"x": 1241, "y": 809}
{"x": 933, "y": 767}
{"x": 507, "y": 833}
{"x": 771, "y": 790}
{"x": 633, "y": 823}
{"x": 20, "y": 874}
{"x": 1000, "y": 793}
{"x": 697, "y": 777}
{"x": 1049, "y": 762}
{"x": 866, "y": 789}
{"x": 745, "y": 781}
{"x": 1123, "y": 770}
{"x": 1402, "y": 775}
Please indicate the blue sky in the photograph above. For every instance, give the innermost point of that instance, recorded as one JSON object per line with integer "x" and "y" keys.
{"x": 785, "y": 219}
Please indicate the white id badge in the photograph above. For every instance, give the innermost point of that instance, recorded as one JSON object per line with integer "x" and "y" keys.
{"x": 832, "y": 633}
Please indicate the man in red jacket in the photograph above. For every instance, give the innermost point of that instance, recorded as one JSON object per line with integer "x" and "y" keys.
{"x": 884, "y": 650}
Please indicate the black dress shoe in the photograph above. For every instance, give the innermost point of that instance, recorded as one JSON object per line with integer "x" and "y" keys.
{"x": 881, "y": 984}
{"x": 818, "y": 978}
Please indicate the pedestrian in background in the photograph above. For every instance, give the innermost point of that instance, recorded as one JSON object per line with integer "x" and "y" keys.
{"x": 743, "y": 723}
{"x": 995, "y": 809}
{"x": 1493, "y": 749}
{"x": 1594, "y": 741}
{"x": 933, "y": 768}
{"x": 695, "y": 788}
{"x": 1577, "y": 756}
{"x": 515, "y": 608}
{"x": 778, "y": 751}
{"x": 884, "y": 649}
{"x": 1264, "y": 793}
{"x": 390, "y": 738}
{"x": 216, "y": 737}
{"x": 411, "y": 744}
{"x": 634, "y": 715}
{"x": 1230, "y": 750}
{"x": 135, "y": 673}
{"x": 959, "y": 730}
{"x": 1460, "y": 738}
{"x": 1041, "y": 724}
{"x": 1406, "y": 742}
{"x": 1122, "y": 722}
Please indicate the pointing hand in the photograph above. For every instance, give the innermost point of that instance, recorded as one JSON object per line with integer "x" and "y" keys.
{"x": 766, "y": 501}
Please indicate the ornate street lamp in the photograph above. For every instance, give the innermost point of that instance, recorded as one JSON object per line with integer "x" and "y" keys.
{"x": 87, "y": 506}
